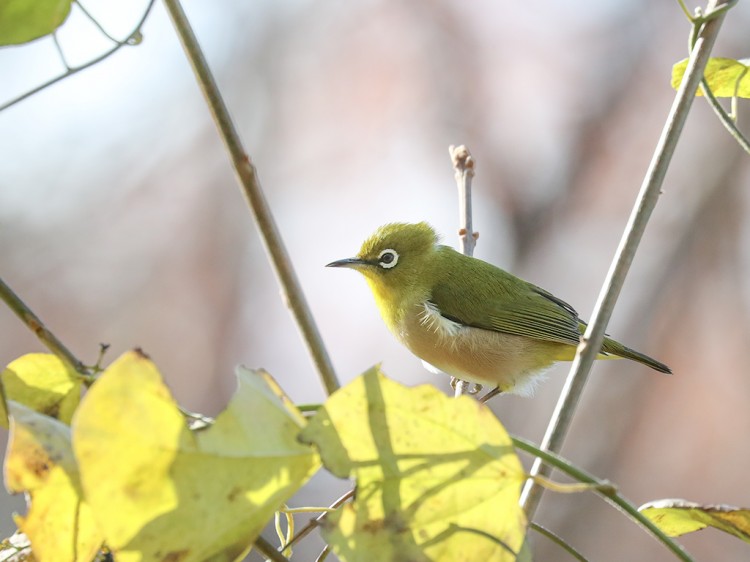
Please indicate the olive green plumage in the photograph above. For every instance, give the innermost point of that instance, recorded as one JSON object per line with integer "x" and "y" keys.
{"x": 466, "y": 317}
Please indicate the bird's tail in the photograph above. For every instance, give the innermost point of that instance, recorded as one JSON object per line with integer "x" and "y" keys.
{"x": 612, "y": 349}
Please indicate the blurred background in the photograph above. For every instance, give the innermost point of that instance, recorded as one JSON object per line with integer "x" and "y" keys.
{"x": 121, "y": 222}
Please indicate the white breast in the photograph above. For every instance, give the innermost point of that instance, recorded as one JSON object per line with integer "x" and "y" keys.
{"x": 442, "y": 326}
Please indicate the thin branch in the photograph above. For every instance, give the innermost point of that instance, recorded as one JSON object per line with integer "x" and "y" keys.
{"x": 269, "y": 551}
{"x": 41, "y": 331}
{"x": 603, "y": 489}
{"x": 729, "y": 123}
{"x": 134, "y": 38}
{"x": 685, "y": 10}
{"x": 645, "y": 203}
{"x": 247, "y": 176}
{"x": 724, "y": 117}
{"x": 323, "y": 554}
{"x": 463, "y": 164}
{"x": 559, "y": 541}
{"x": 59, "y": 50}
{"x": 93, "y": 20}
{"x": 313, "y": 523}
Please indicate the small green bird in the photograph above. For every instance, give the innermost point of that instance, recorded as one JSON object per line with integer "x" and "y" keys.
{"x": 466, "y": 317}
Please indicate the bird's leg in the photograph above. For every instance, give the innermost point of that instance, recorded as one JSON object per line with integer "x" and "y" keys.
{"x": 491, "y": 394}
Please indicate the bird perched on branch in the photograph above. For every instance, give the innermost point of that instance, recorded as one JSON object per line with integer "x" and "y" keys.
{"x": 466, "y": 317}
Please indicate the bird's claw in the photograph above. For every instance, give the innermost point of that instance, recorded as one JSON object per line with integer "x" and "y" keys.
{"x": 473, "y": 390}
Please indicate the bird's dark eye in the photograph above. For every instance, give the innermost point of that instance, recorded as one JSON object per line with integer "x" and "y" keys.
{"x": 388, "y": 258}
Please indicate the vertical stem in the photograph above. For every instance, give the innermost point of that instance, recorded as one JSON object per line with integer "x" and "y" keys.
{"x": 248, "y": 179}
{"x": 463, "y": 164}
{"x": 645, "y": 203}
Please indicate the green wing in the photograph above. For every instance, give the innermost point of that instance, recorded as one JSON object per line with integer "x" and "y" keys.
{"x": 493, "y": 299}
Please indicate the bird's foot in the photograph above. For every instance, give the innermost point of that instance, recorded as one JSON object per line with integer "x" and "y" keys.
{"x": 473, "y": 390}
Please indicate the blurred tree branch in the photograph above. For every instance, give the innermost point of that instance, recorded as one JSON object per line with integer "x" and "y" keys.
{"x": 644, "y": 206}
{"x": 32, "y": 321}
{"x": 248, "y": 178}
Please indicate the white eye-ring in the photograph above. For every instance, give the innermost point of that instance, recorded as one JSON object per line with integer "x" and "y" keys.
{"x": 388, "y": 258}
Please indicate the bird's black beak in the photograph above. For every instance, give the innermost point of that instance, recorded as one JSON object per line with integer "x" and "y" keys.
{"x": 347, "y": 262}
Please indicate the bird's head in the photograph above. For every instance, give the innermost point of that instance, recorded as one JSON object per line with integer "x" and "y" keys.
{"x": 395, "y": 259}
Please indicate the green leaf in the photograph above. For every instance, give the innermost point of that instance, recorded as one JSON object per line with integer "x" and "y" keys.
{"x": 22, "y": 21}
{"x": 40, "y": 462}
{"x": 677, "y": 517}
{"x": 437, "y": 478}
{"x": 726, "y": 77}
{"x": 44, "y": 383}
{"x": 162, "y": 492}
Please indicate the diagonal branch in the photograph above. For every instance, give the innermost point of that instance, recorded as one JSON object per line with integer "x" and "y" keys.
{"x": 248, "y": 178}
{"x": 27, "y": 316}
{"x": 724, "y": 117}
{"x": 645, "y": 203}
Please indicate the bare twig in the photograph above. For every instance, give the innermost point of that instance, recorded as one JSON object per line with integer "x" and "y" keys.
{"x": 134, "y": 38}
{"x": 724, "y": 117}
{"x": 463, "y": 164}
{"x": 33, "y": 322}
{"x": 645, "y": 203}
{"x": 247, "y": 176}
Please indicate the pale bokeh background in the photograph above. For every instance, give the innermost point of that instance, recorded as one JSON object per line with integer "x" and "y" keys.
{"x": 120, "y": 220}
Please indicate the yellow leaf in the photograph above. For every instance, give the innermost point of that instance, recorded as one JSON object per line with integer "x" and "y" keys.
{"x": 43, "y": 383}
{"x": 162, "y": 492}
{"x": 40, "y": 461}
{"x": 437, "y": 478}
{"x": 678, "y": 517}
{"x": 724, "y": 76}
